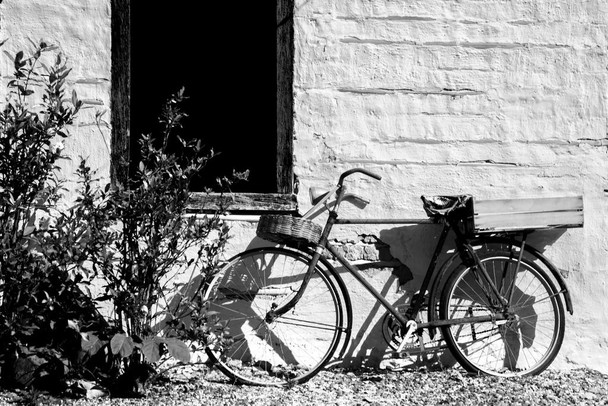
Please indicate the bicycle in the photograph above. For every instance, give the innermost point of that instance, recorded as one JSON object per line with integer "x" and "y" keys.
{"x": 285, "y": 311}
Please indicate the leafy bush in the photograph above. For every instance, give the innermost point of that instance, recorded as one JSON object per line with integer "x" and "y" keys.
{"x": 40, "y": 256}
{"x": 143, "y": 243}
{"x": 135, "y": 240}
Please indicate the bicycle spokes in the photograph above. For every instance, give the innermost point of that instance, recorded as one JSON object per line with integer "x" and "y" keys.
{"x": 270, "y": 347}
{"x": 520, "y": 337}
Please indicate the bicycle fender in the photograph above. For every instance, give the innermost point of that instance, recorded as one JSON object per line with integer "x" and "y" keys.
{"x": 346, "y": 296}
{"x": 349, "y": 307}
{"x": 436, "y": 285}
{"x": 558, "y": 276}
{"x": 536, "y": 253}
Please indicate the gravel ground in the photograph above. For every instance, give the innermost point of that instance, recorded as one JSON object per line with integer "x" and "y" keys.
{"x": 450, "y": 387}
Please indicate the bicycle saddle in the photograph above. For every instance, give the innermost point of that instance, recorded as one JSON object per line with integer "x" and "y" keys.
{"x": 435, "y": 206}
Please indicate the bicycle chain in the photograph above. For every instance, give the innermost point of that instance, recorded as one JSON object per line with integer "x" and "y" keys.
{"x": 413, "y": 348}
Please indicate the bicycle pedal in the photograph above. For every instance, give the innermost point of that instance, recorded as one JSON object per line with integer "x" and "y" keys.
{"x": 397, "y": 355}
{"x": 395, "y": 364}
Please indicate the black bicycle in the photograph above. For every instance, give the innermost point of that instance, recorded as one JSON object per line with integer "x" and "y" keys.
{"x": 285, "y": 311}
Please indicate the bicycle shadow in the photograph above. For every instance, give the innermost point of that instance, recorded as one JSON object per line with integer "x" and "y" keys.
{"x": 406, "y": 251}
{"x": 244, "y": 295}
{"x": 178, "y": 307}
{"x": 413, "y": 247}
{"x": 410, "y": 248}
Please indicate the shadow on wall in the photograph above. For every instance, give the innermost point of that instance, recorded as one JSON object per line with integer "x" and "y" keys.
{"x": 410, "y": 249}
{"x": 397, "y": 260}
{"x": 413, "y": 247}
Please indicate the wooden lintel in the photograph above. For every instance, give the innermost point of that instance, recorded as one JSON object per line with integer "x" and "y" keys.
{"x": 243, "y": 202}
{"x": 385, "y": 221}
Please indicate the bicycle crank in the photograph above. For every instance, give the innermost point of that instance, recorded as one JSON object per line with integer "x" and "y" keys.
{"x": 410, "y": 329}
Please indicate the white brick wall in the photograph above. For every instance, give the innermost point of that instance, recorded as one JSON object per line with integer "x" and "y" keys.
{"x": 493, "y": 98}
{"x": 81, "y": 30}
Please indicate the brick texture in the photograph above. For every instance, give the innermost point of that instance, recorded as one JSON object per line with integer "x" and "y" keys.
{"x": 499, "y": 99}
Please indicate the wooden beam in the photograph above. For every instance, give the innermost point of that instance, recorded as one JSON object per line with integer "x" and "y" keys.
{"x": 285, "y": 55}
{"x": 120, "y": 90}
{"x": 243, "y": 202}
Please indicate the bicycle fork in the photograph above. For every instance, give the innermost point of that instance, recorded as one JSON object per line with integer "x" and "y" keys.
{"x": 495, "y": 296}
{"x": 276, "y": 312}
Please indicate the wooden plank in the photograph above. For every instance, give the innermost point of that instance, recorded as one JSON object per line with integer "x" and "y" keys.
{"x": 385, "y": 221}
{"x": 121, "y": 90}
{"x": 285, "y": 58}
{"x": 526, "y": 214}
{"x": 533, "y": 205}
{"x": 243, "y": 202}
{"x": 528, "y": 221}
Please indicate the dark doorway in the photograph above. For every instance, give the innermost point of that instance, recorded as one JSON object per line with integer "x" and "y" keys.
{"x": 224, "y": 55}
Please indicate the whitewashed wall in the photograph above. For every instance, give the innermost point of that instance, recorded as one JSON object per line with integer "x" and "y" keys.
{"x": 499, "y": 99}
{"x": 81, "y": 30}
{"x": 493, "y": 98}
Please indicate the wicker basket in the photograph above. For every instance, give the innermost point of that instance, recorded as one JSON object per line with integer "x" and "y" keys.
{"x": 288, "y": 230}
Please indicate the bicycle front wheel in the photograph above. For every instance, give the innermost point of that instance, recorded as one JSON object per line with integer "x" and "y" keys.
{"x": 527, "y": 341}
{"x": 259, "y": 350}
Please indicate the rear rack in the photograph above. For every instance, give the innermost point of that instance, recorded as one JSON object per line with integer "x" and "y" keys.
{"x": 505, "y": 215}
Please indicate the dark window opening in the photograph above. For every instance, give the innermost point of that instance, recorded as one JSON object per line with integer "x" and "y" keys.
{"x": 225, "y": 56}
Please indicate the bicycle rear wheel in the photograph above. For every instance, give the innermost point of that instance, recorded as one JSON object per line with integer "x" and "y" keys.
{"x": 524, "y": 344}
{"x": 289, "y": 349}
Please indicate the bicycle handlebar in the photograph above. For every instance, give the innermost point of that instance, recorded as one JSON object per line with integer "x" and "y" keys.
{"x": 318, "y": 199}
{"x": 358, "y": 170}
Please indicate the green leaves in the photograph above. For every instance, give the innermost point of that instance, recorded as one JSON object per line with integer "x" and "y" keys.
{"x": 122, "y": 345}
{"x": 145, "y": 239}
{"x": 91, "y": 344}
{"x": 134, "y": 238}
{"x": 18, "y": 62}
{"x": 178, "y": 349}
{"x": 151, "y": 349}
{"x": 40, "y": 271}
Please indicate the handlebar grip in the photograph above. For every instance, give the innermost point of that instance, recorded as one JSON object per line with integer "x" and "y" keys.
{"x": 359, "y": 170}
{"x": 372, "y": 175}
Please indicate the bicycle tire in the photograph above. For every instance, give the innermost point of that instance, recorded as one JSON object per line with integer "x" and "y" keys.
{"x": 292, "y": 348}
{"x": 525, "y": 345}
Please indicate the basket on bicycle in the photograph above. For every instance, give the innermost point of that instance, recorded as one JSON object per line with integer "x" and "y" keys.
{"x": 288, "y": 230}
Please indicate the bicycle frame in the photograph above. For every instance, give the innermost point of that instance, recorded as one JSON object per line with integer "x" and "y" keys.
{"x": 418, "y": 301}
{"x": 465, "y": 250}
{"x": 495, "y": 298}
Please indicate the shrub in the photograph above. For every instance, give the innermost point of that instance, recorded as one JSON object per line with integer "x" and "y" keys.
{"x": 143, "y": 242}
{"x": 40, "y": 258}
{"x": 135, "y": 240}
